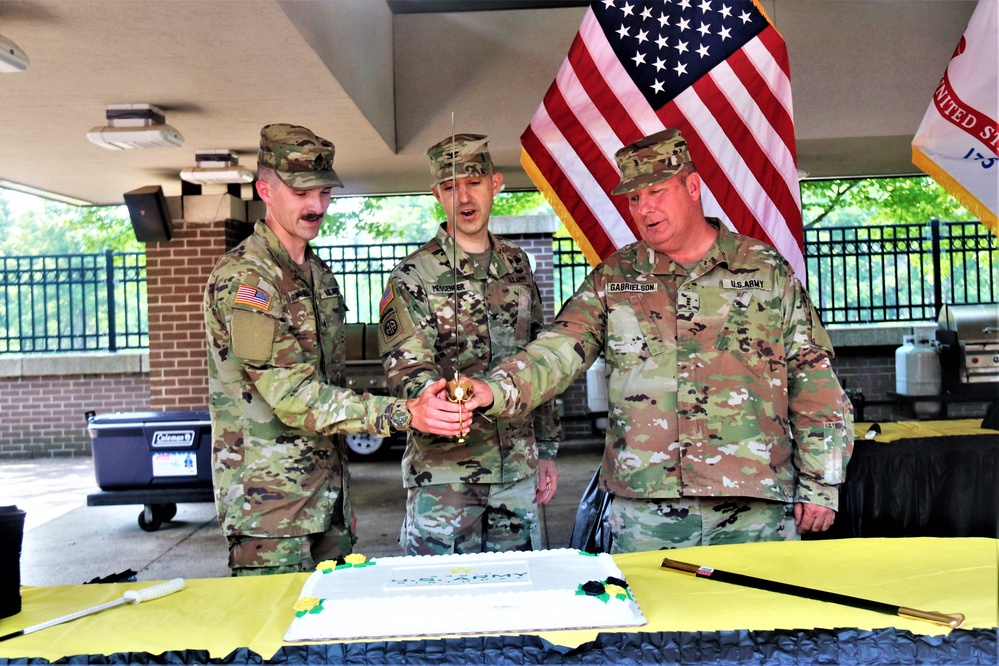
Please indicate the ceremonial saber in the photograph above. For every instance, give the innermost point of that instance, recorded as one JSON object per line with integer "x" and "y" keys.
{"x": 953, "y": 620}
{"x": 130, "y": 597}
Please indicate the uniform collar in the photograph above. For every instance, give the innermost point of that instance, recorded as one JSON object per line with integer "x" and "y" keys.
{"x": 498, "y": 265}
{"x": 722, "y": 251}
{"x": 279, "y": 252}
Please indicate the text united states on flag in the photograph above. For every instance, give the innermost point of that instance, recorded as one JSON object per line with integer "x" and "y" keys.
{"x": 717, "y": 70}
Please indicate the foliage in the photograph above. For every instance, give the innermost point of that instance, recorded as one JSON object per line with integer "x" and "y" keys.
{"x": 409, "y": 218}
{"x": 875, "y": 201}
{"x": 32, "y": 226}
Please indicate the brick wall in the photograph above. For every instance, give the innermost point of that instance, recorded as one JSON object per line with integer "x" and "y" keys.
{"x": 176, "y": 273}
{"x": 44, "y": 410}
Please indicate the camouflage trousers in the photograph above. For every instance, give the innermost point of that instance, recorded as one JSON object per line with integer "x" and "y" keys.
{"x": 656, "y": 524}
{"x": 262, "y": 556}
{"x": 471, "y": 518}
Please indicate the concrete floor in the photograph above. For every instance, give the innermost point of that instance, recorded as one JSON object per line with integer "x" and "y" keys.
{"x": 67, "y": 542}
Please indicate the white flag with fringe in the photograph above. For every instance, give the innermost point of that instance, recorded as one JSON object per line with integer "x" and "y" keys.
{"x": 957, "y": 143}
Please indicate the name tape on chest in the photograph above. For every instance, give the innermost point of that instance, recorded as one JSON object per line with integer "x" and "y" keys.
{"x": 632, "y": 287}
{"x": 745, "y": 284}
{"x": 297, "y": 295}
{"x": 448, "y": 288}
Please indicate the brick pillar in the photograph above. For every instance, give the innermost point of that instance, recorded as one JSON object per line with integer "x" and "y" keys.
{"x": 176, "y": 273}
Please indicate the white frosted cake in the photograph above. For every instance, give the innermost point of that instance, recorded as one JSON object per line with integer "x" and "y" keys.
{"x": 512, "y": 592}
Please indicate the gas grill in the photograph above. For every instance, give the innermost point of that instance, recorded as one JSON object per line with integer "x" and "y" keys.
{"x": 969, "y": 348}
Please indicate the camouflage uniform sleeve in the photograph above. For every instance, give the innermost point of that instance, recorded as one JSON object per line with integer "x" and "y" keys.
{"x": 547, "y": 424}
{"x": 283, "y": 369}
{"x": 547, "y": 366}
{"x": 407, "y": 336}
{"x": 820, "y": 414}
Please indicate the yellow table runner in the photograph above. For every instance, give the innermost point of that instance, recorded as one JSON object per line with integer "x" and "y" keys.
{"x": 223, "y": 614}
{"x": 919, "y": 429}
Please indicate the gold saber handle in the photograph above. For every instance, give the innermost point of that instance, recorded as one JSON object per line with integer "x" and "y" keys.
{"x": 680, "y": 566}
{"x": 954, "y": 620}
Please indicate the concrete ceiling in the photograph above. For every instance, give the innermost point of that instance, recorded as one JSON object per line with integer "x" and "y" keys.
{"x": 381, "y": 79}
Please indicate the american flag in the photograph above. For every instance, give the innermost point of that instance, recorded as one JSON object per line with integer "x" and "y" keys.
{"x": 252, "y": 296}
{"x": 717, "y": 70}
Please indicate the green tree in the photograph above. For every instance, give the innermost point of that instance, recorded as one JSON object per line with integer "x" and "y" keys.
{"x": 32, "y": 226}
{"x": 409, "y": 218}
{"x": 877, "y": 201}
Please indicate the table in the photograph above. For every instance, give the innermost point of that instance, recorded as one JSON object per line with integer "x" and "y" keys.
{"x": 239, "y": 620}
{"x": 921, "y": 479}
{"x": 914, "y": 478}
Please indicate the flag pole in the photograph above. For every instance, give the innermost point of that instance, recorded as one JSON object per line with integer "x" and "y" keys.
{"x": 953, "y": 620}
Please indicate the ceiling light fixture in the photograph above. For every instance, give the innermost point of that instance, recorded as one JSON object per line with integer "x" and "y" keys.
{"x": 135, "y": 126}
{"x": 216, "y": 166}
{"x": 12, "y": 57}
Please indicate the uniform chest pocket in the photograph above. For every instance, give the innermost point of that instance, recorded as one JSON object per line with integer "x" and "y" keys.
{"x": 331, "y": 309}
{"x": 633, "y": 332}
{"x": 509, "y": 313}
{"x": 300, "y": 317}
{"x": 753, "y": 334}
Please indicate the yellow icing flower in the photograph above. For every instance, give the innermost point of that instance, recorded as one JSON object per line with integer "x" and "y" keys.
{"x": 354, "y": 559}
{"x": 306, "y": 604}
{"x": 615, "y": 591}
{"x": 326, "y": 565}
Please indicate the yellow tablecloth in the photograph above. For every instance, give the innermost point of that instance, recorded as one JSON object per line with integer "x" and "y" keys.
{"x": 223, "y": 614}
{"x": 920, "y": 429}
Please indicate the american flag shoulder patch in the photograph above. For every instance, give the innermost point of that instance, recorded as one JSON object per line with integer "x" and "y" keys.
{"x": 386, "y": 298}
{"x": 257, "y": 298}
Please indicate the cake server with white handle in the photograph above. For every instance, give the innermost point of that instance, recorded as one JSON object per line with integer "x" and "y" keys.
{"x": 130, "y": 597}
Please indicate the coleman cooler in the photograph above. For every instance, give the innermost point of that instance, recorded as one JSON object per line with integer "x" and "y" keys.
{"x": 134, "y": 450}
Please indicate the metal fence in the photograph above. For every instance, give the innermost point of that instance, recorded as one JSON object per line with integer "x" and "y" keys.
{"x": 362, "y": 271}
{"x": 899, "y": 272}
{"x": 904, "y": 272}
{"x": 892, "y": 273}
{"x": 73, "y": 302}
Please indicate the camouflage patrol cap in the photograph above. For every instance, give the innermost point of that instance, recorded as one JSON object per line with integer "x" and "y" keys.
{"x": 302, "y": 160}
{"x": 650, "y": 160}
{"x": 462, "y": 155}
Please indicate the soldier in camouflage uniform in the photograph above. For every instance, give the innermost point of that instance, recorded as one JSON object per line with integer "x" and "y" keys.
{"x": 274, "y": 316}
{"x": 480, "y": 494}
{"x": 726, "y": 422}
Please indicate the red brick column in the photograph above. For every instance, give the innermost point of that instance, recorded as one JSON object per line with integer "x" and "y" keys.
{"x": 176, "y": 273}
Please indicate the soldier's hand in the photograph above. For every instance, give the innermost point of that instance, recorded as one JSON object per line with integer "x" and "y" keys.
{"x": 547, "y": 481}
{"x": 812, "y": 517}
{"x": 482, "y": 395}
{"x": 434, "y": 414}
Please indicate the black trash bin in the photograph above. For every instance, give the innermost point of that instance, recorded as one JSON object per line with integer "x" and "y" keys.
{"x": 11, "y": 536}
{"x": 134, "y": 450}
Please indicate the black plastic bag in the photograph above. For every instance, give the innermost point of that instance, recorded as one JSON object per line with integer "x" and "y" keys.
{"x": 590, "y": 532}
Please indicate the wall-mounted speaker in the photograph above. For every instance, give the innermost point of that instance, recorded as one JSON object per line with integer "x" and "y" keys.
{"x": 150, "y": 216}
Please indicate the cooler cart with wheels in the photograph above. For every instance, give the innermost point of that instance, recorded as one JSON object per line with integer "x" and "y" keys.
{"x": 157, "y": 459}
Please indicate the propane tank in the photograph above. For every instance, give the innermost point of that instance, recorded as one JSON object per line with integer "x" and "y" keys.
{"x": 917, "y": 372}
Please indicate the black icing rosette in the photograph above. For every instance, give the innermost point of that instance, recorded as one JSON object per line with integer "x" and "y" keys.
{"x": 611, "y": 580}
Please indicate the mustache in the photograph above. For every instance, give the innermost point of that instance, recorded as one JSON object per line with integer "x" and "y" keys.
{"x": 313, "y": 217}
